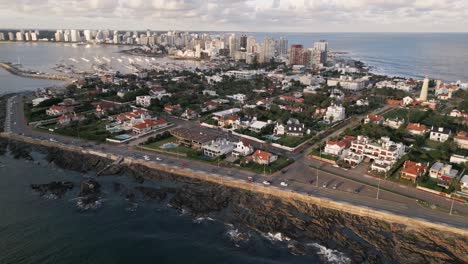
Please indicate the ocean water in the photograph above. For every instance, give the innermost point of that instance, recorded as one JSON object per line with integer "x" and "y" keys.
{"x": 10, "y": 83}
{"x": 36, "y": 229}
{"x": 439, "y": 55}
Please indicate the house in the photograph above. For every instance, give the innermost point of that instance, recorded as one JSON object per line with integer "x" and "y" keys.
{"x": 461, "y": 139}
{"x": 440, "y": 134}
{"x": 144, "y": 100}
{"x": 464, "y": 184}
{"x": 209, "y": 92}
{"x": 257, "y": 126}
{"x": 171, "y": 108}
{"x": 458, "y": 159}
{"x": 334, "y": 113}
{"x": 189, "y": 114}
{"x": 458, "y": 113}
{"x": 292, "y": 128}
{"x": 384, "y": 153}
{"x": 371, "y": 118}
{"x": 412, "y": 171}
{"x": 417, "y": 129}
{"x": 347, "y": 83}
{"x": 148, "y": 125}
{"x": 337, "y": 148}
{"x": 262, "y": 157}
{"x": 57, "y": 110}
{"x": 407, "y": 101}
{"x": 193, "y": 137}
{"x": 443, "y": 173}
{"x": 217, "y": 148}
{"x": 37, "y": 101}
{"x": 242, "y": 149}
{"x": 238, "y": 97}
{"x": 66, "y": 119}
{"x": 394, "y": 102}
{"x": 394, "y": 123}
{"x": 209, "y": 106}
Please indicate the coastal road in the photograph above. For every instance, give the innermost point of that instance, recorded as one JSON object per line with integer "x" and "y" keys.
{"x": 298, "y": 176}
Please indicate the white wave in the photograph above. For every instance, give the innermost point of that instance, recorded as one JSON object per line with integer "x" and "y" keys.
{"x": 235, "y": 235}
{"x": 84, "y": 59}
{"x": 199, "y": 220}
{"x": 276, "y": 237}
{"x": 331, "y": 255}
{"x": 90, "y": 206}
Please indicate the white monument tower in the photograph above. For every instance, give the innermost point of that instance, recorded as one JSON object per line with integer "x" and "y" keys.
{"x": 424, "y": 90}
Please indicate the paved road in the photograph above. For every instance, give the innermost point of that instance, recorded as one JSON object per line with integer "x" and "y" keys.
{"x": 299, "y": 176}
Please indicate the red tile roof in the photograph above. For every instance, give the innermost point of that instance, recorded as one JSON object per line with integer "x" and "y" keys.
{"x": 263, "y": 155}
{"x": 416, "y": 127}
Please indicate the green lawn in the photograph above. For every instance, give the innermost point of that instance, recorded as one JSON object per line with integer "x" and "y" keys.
{"x": 180, "y": 149}
{"x": 291, "y": 142}
{"x": 95, "y": 131}
{"x": 273, "y": 167}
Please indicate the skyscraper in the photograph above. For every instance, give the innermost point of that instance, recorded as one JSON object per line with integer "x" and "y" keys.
{"x": 233, "y": 45}
{"x": 282, "y": 46}
{"x": 424, "y": 90}
{"x": 11, "y": 36}
{"x": 320, "y": 52}
{"x": 297, "y": 55}
{"x": 19, "y": 36}
{"x": 243, "y": 42}
{"x": 2, "y": 36}
{"x": 268, "y": 49}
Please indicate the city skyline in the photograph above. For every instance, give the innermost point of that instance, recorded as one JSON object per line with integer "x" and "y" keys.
{"x": 239, "y": 16}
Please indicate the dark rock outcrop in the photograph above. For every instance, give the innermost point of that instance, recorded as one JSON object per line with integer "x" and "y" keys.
{"x": 57, "y": 189}
{"x": 152, "y": 193}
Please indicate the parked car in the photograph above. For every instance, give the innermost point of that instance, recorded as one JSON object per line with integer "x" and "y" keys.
{"x": 184, "y": 164}
{"x": 146, "y": 157}
{"x": 267, "y": 182}
{"x": 325, "y": 184}
{"x": 284, "y": 184}
{"x": 158, "y": 159}
{"x": 250, "y": 179}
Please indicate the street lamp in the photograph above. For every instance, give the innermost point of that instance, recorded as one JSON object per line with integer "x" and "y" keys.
{"x": 378, "y": 189}
{"x": 316, "y": 181}
{"x": 451, "y": 207}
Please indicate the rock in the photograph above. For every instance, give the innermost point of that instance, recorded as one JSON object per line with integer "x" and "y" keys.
{"x": 57, "y": 189}
{"x": 152, "y": 193}
{"x": 90, "y": 193}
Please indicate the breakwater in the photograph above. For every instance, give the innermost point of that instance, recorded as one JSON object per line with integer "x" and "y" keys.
{"x": 16, "y": 71}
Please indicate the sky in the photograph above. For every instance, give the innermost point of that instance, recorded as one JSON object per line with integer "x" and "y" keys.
{"x": 239, "y": 15}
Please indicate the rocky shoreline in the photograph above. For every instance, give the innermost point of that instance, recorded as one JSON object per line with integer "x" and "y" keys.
{"x": 361, "y": 239}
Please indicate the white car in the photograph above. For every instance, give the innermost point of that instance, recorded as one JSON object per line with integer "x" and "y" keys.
{"x": 52, "y": 140}
{"x": 284, "y": 184}
{"x": 158, "y": 159}
{"x": 266, "y": 182}
{"x": 146, "y": 157}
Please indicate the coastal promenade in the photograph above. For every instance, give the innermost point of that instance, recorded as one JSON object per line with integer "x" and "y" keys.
{"x": 16, "y": 71}
{"x": 382, "y": 210}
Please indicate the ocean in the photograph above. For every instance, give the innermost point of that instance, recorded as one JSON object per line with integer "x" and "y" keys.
{"x": 439, "y": 55}
{"x": 36, "y": 229}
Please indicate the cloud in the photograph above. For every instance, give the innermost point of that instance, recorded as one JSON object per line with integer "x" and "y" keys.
{"x": 244, "y": 15}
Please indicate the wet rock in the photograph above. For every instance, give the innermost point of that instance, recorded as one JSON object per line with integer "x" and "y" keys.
{"x": 58, "y": 189}
{"x": 21, "y": 150}
{"x": 152, "y": 193}
{"x": 296, "y": 248}
{"x": 90, "y": 193}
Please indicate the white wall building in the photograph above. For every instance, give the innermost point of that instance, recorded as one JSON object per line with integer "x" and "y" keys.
{"x": 334, "y": 113}
{"x": 347, "y": 83}
{"x": 440, "y": 134}
{"x": 144, "y": 100}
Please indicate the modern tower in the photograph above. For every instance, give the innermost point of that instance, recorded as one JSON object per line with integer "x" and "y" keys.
{"x": 424, "y": 90}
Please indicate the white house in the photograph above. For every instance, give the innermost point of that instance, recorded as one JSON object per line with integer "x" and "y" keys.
{"x": 440, "y": 134}
{"x": 242, "y": 150}
{"x": 334, "y": 113}
{"x": 443, "y": 173}
{"x": 407, "y": 100}
{"x": 257, "y": 126}
{"x": 144, "y": 100}
{"x": 464, "y": 184}
{"x": 238, "y": 97}
{"x": 461, "y": 139}
{"x": 394, "y": 123}
{"x": 347, "y": 83}
{"x": 218, "y": 147}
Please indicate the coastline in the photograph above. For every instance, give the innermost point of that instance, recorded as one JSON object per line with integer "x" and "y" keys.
{"x": 363, "y": 233}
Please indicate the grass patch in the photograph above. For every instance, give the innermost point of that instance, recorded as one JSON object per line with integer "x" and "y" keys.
{"x": 186, "y": 151}
{"x": 95, "y": 131}
{"x": 273, "y": 167}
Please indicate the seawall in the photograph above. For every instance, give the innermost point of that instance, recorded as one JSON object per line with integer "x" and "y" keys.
{"x": 18, "y": 72}
{"x": 257, "y": 188}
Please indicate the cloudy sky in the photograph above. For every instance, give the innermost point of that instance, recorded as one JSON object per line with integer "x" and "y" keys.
{"x": 240, "y": 15}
